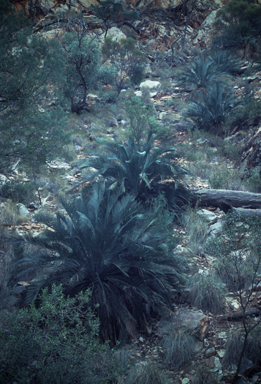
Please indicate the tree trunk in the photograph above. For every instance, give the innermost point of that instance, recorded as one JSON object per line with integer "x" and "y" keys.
{"x": 226, "y": 199}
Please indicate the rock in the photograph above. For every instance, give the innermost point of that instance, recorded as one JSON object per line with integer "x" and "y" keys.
{"x": 210, "y": 352}
{"x": 203, "y": 32}
{"x": 216, "y": 228}
{"x": 3, "y": 179}
{"x": 22, "y": 210}
{"x": 152, "y": 85}
{"x": 115, "y": 33}
{"x": 58, "y": 164}
{"x": 195, "y": 321}
{"x": 112, "y": 122}
{"x": 208, "y": 216}
{"x": 185, "y": 380}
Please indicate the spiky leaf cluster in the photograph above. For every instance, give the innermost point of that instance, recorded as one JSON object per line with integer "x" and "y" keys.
{"x": 140, "y": 166}
{"x": 104, "y": 241}
{"x": 209, "y": 111}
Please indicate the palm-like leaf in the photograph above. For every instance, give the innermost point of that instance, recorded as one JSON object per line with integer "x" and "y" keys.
{"x": 140, "y": 166}
{"x": 200, "y": 73}
{"x": 225, "y": 62}
{"x": 211, "y": 109}
{"x": 104, "y": 241}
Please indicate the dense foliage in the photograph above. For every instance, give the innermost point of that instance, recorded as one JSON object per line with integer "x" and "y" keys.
{"x": 105, "y": 241}
{"x": 56, "y": 342}
{"x": 238, "y": 26}
{"x": 30, "y": 68}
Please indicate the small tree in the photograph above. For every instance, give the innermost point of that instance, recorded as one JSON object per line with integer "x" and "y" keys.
{"x": 239, "y": 266}
{"x": 110, "y": 12}
{"x": 128, "y": 60}
{"x": 84, "y": 69}
{"x": 238, "y": 26}
{"x": 29, "y": 68}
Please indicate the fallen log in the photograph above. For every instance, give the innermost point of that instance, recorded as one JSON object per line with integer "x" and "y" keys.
{"x": 226, "y": 199}
{"x": 239, "y": 315}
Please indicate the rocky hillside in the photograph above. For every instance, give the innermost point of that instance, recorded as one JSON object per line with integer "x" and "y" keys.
{"x": 212, "y": 330}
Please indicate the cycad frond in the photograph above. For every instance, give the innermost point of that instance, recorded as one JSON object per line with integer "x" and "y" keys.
{"x": 139, "y": 166}
{"x": 209, "y": 111}
{"x": 107, "y": 242}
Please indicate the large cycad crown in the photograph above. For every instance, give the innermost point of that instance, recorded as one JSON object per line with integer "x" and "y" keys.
{"x": 200, "y": 73}
{"x": 142, "y": 167}
{"x": 104, "y": 241}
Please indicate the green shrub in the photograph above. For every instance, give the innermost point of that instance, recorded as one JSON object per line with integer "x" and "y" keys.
{"x": 237, "y": 251}
{"x": 178, "y": 347}
{"x": 128, "y": 60}
{"x": 207, "y": 293}
{"x": 237, "y": 26}
{"x": 148, "y": 374}
{"x": 252, "y": 349}
{"x": 19, "y": 192}
{"x": 54, "y": 343}
{"x": 254, "y": 182}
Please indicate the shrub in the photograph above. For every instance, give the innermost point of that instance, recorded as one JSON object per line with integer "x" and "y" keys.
{"x": 128, "y": 60}
{"x": 53, "y": 343}
{"x": 106, "y": 242}
{"x": 207, "y": 293}
{"x": 19, "y": 192}
{"x": 84, "y": 69}
{"x": 178, "y": 347}
{"x": 237, "y": 26}
{"x": 148, "y": 374}
{"x": 235, "y": 345}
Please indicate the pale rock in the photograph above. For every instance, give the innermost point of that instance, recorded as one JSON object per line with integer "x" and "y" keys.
{"x": 115, "y": 33}
{"x": 58, "y": 164}
{"x": 216, "y": 229}
{"x": 218, "y": 365}
{"x": 221, "y": 352}
{"x": 22, "y": 210}
{"x": 3, "y": 180}
{"x": 208, "y": 216}
{"x": 203, "y": 32}
{"x": 152, "y": 85}
{"x": 185, "y": 380}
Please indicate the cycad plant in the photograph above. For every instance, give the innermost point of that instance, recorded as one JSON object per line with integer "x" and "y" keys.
{"x": 210, "y": 110}
{"x": 104, "y": 241}
{"x": 142, "y": 167}
{"x": 225, "y": 62}
{"x": 200, "y": 74}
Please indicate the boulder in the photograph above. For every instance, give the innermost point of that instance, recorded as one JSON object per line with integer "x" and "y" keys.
{"x": 195, "y": 321}
{"x": 22, "y": 210}
{"x": 115, "y": 33}
{"x": 208, "y": 216}
{"x": 152, "y": 85}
